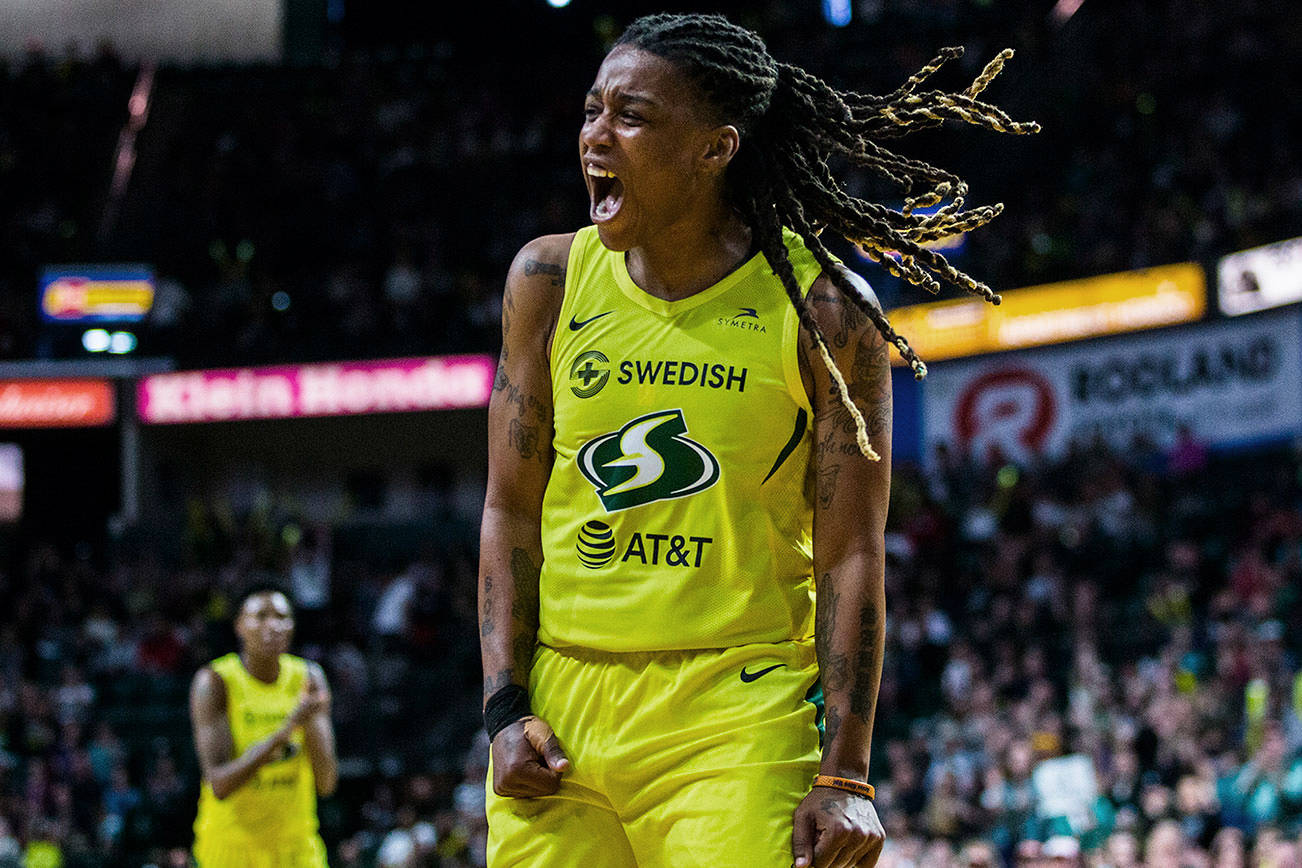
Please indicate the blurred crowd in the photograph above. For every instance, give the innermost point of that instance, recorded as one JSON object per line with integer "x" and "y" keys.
{"x": 1095, "y": 658}
{"x": 369, "y": 206}
{"x": 97, "y": 766}
{"x": 1092, "y": 659}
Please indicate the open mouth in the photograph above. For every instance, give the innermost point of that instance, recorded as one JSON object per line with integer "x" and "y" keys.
{"x": 607, "y": 193}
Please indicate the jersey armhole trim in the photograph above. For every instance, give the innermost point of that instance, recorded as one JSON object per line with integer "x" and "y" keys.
{"x": 791, "y": 354}
{"x": 575, "y": 261}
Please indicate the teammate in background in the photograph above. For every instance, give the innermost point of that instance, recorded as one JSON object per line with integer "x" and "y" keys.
{"x": 682, "y": 555}
{"x": 266, "y": 746}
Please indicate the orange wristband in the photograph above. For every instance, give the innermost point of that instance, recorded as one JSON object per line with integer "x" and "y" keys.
{"x": 850, "y": 786}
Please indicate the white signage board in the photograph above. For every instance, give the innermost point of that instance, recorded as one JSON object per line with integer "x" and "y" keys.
{"x": 175, "y": 30}
{"x": 1230, "y": 382}
{"x": 1260, "y": 278}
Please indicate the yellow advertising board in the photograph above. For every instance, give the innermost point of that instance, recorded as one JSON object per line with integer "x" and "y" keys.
{"x": 1054, "y": 313}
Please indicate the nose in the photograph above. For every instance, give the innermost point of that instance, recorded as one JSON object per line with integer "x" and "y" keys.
{"x": 595, "y": 132}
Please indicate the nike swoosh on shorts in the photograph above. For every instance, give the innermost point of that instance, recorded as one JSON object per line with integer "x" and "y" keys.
{"x": 748, "y": 677}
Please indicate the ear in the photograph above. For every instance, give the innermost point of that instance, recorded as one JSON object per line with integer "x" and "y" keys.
{"x": 721, "y": 145}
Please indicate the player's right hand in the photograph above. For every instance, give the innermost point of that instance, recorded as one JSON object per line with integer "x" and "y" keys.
{"x": 314, "y": 699}
{"x": 528, "y": 760}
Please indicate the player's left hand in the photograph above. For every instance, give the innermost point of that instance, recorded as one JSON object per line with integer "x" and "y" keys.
{"x": 836, "y": 829}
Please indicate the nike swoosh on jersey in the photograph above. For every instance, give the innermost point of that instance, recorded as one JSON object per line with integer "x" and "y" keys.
{"x": 748, "y": 677}
{"x": 575, "y": 325}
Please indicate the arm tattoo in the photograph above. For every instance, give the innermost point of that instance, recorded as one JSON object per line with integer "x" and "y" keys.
{"x": 555, "y": 272}
{"x": 524, "y": 439}
{"x": 831, "y": 724}
{"x": 487, "y": 624}
{"x": 833, "y": 668}
{"x": 522, "y": 651}
{"x": 851, "y": 319}
{"x": 494, "y": 683}
{"x": 540, "y": 408}
{"x": 870, "y": 385}
{"x": 524, "y": 609}
{"x": 526, "y": 576}
{"x": 827, "y": 484}
{"x": 863, "y": 696}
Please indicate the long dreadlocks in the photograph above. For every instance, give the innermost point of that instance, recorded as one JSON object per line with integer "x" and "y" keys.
{"x": 791, "y": 124}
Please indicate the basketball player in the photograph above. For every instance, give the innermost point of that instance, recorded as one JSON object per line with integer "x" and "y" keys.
{"x": 682, "y": 574}
{"x": 266, "y": 747}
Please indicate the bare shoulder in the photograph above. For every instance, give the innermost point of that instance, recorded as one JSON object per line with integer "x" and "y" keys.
{"x": 836, "y": 314}
{"x": 539, "y": 268}
{"x": 852, "y": 338}
{"x": 545, "y": 250}
{"x": 535, "y": 287}
{"x": 207, "y": 691}
{"x": 315, "y": 673}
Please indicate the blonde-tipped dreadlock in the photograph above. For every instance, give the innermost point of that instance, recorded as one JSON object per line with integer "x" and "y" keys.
{"x": 792, "y": 123}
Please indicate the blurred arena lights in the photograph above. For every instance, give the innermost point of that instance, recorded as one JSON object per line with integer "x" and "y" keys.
{"x": 837, "y": 12}
{"x": 104, "y": 341}
{"x": 1064, "y": 9}
{"x": 121, "y": 343}
{"x": 95, "y": 340}
{"x": 558, "y": 4}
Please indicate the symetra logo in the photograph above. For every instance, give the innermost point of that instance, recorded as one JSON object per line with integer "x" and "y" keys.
{"x": 745, "y": 318}
{"x": 649, "y": 459}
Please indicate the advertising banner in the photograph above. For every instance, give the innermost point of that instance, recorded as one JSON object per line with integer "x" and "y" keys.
{"x": 292, "y": 391}
{"x": 240, "y": 31}
{"x": 96, "y": 293}
{"x": 1230, "y": 381}
{"x": 11, "y": 482}
{"x": 1260, "y": 278}
{"x": 1055, "y": 313}
{"x": 56, "y": 403}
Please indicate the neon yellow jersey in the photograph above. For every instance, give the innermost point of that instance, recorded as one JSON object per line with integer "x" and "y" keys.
{"x": 678, "y": 513}
{"x": 279, "y": 802}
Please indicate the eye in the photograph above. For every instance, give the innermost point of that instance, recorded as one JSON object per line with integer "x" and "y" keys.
{"x": 591, "y": 111}
{"x": 630, "y": 118}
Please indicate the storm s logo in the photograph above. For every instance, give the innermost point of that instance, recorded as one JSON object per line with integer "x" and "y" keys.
{"x": 649, "y": 459}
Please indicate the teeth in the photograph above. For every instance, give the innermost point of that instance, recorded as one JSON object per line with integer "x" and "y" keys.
{"x": 596, "y": 172}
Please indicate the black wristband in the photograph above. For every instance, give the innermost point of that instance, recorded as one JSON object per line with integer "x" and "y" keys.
{"x": 504, "y": 708}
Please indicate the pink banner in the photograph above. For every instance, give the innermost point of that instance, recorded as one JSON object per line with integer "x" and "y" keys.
{"x": 332, "y": 389}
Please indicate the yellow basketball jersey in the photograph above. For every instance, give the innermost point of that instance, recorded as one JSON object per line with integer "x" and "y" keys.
{"x": 677, "y": 515}
{"x": 279, "y": 802}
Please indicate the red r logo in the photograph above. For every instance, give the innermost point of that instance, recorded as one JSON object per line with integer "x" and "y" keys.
{"x": 1013, "y": 407}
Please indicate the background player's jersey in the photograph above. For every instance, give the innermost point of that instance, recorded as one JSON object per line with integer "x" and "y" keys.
{"x": 678, "y": 513}
{"x": 279, "y": 802}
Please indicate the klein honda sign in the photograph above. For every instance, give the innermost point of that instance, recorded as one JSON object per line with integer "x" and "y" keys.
{"x": 335, "y": 389}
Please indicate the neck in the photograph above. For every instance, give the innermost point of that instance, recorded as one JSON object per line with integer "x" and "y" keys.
{"x": 262, "y": 668}
{"x": 690, "y": 257}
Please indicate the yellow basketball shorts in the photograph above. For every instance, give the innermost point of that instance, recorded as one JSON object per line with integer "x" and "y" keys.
{"x": 308, "y": 852}
{"x": 679, "y": 759}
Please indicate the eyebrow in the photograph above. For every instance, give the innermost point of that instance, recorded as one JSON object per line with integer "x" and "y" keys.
{"x": 624, "y": 95}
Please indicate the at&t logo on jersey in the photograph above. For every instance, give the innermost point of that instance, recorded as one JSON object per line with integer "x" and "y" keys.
{"x": 596, "y": 544}
{"x": 597, "y": 547}
{"x": 649, "y": 459}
